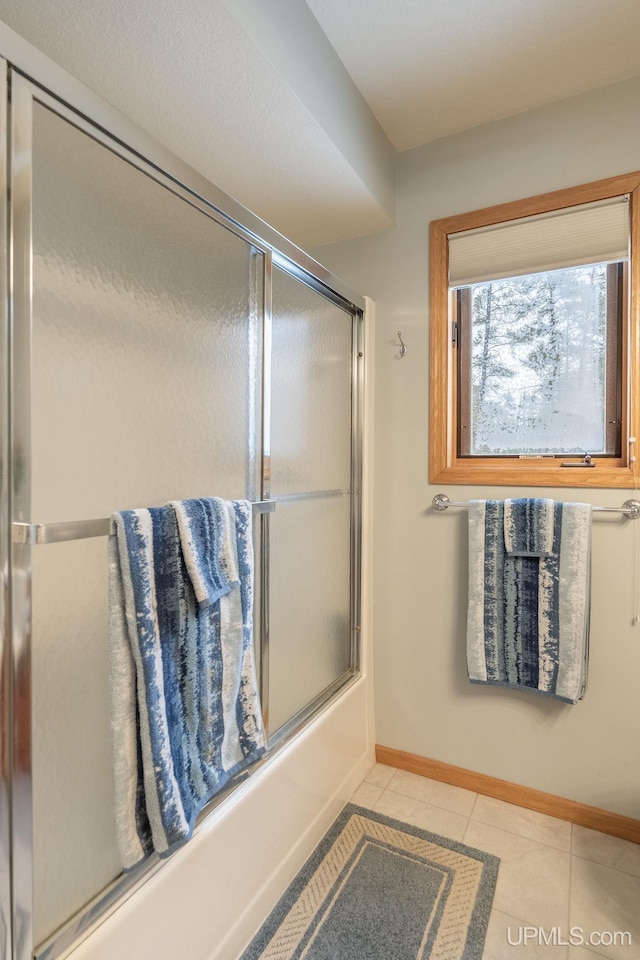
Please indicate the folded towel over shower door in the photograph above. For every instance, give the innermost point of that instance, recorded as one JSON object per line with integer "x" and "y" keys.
{"x": 186, "y": 713}
{"x": 529, "y": 595}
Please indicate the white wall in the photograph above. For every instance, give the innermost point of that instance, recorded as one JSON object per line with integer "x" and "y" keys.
{"x": 424, "y": 702}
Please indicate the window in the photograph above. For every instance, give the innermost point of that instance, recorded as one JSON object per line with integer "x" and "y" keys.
{"x": 538, "y": 363}
{"x": 533, "y": 352}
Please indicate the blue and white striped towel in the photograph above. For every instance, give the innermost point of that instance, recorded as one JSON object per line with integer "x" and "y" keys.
{"x": 185, "y": 706}
{"x": 529, "y": 527}
{"x": 528, "y": 614}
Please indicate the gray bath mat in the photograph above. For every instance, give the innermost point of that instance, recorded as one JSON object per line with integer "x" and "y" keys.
{"x": 379, "y": 889}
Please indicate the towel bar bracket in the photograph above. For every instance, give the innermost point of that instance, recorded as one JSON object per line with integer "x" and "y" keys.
{"x": 630, "y": 508}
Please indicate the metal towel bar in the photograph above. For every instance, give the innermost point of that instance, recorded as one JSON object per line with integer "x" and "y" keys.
{"x": 630, "y": 508}
{"x": 37, "y": 533}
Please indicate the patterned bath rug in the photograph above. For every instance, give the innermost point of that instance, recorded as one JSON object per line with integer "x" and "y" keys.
{"x": 379, "y": 889}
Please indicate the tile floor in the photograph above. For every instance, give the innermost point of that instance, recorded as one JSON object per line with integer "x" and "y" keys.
{"x": 554, "y": 876}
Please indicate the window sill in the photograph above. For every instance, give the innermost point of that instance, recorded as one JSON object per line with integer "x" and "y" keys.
{"x": 534, "y": 473}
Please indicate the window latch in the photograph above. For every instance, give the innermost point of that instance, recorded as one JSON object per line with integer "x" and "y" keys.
{"x": 587, "y": 462}
{"x": 455, "y": 333}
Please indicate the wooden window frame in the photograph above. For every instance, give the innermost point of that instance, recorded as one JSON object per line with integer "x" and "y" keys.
{"x": 445, "y": 466}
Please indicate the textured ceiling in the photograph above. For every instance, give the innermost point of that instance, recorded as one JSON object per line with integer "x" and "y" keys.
{"x": 429, "y": 68}
{"x": 195, "y": 74}
{"x": 189, "y": 75}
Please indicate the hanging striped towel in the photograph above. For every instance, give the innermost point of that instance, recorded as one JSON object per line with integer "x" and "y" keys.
{"x": 528, "y": 527}
{"x": 185, "y": 707}
{"x": 528, "y": 614}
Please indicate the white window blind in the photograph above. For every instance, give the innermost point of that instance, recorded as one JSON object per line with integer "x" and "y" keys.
{"x": 590, "y": 233}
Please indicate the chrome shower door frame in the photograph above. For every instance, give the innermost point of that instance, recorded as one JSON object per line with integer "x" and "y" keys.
{"x": 6, "y": 686}
{"x": 20, "y": 259}
{"x": 33, "y": 77}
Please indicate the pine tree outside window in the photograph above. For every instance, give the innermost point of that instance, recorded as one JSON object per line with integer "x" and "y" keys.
{"x": 539, "y": 363}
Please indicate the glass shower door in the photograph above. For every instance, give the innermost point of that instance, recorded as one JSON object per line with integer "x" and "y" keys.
{"x": 145, "y": 334}
{"x": 146, "y": 366}
{"x": 310, "y": 646}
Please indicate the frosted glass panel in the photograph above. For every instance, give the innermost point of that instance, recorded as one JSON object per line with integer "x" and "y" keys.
{"x": 311, "y": 399}
{"x": 75, "y": 852}
{"x": 142, "y": 330}
{"x": 310, "y": 629}
{"x": 144, "y": 345}
{"x": 310, "y": 635}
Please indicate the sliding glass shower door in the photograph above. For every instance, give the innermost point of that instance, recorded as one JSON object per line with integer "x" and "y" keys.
{"x": 311, "y": 470}
{"x": 144, "y": 339}
{"x": 159, "y": 351}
